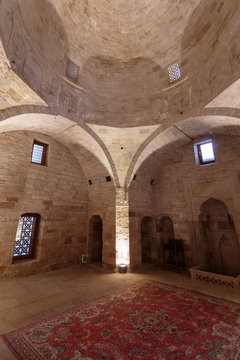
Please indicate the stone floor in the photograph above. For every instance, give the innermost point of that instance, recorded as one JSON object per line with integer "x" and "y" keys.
{"x": 25, "y": 300}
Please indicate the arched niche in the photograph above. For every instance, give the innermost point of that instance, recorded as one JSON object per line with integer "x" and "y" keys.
{"x": 95, "y": 239}
{"x": 219, "y": 242}
{"x": 148, "y": 240}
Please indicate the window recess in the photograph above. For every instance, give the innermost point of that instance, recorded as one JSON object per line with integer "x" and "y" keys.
{"x": 25, "y": 241}
{"x": 39, "y": 151}
{"x": 204, "y": 152}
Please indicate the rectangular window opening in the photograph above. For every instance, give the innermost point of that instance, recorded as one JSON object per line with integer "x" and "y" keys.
{"x": 204, "y": 152}
{"x": 26, "y": 236}
{"x": 39, "y": 153}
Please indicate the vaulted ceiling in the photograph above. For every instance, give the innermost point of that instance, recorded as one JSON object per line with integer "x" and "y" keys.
{"x": 123, "y": 50}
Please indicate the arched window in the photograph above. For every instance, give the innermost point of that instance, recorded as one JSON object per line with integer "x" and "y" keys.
{"x": 26, "y": 236}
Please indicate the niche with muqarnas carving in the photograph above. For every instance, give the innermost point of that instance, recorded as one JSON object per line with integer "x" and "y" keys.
{"x": 220, "y": 249}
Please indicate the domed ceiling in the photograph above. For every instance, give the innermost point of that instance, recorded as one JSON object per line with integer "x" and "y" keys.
{"x": 123, "y": 49}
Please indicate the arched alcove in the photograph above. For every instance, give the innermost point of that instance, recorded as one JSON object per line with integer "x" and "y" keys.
{"x": 95, "y": 239}
{"x": 219, "y": 242}
{"x": 148, "y": 240}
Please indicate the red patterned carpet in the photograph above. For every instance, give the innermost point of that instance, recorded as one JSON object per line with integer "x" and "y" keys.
{"x": 148, "y": 320}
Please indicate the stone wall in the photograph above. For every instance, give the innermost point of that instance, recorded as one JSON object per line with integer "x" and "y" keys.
{"x": 101, "y": 202}
{"x": 57, "y": 191}
{"x": 180, "y": 188}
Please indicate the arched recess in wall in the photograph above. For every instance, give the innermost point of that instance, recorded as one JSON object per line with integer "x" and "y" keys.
{"x": 148, "y": 240}
{"x": 83, "y": 146}
{"x": 219, "y": 241}
{"x": 95, "y": 243}
{"x": 88, "y": 153}
{"x": 184, "y": 132}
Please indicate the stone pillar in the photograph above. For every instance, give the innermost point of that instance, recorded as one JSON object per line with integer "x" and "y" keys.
{"x": 122, "y": 227}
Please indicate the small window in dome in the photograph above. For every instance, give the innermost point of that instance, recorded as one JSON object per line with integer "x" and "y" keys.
{"x": 204, "y": 152}
{"x": 72, "y": 70}
{"x": 174, "y": 72}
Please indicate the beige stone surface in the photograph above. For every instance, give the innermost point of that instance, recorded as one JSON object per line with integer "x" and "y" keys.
{"x": 34, "y": 298}
{"x": 57, "y": 191}
{"x": 120, "y": 135}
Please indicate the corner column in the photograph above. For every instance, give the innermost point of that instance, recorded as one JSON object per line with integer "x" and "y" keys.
{"x": 122, "y": 227}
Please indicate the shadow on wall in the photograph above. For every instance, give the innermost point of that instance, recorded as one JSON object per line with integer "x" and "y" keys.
{"x": 34, "y": 40}
{"x": 219, "y": 241}
{"x": 95, "y": 244}
{"x": 148, "y": 240}
{"x": 211, "y": 34}
{"x": 153, "y": 238}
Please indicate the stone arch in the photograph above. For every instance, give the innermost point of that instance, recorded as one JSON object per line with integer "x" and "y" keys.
{"x": 83, "y": 146}
{"x": 95, "y": 241}
{"x": 183, "y": 132}
{"x": 219, "y": 242}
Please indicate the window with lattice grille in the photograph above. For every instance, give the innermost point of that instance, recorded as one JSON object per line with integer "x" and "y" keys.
{"x": 72, "y": 70}
{"x": 39, "y": 152}
{"x": 26, "y": 236}
{"x": 174, "y": 72}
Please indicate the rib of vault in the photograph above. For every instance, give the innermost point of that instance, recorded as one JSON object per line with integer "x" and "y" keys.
{"x": 122, "y": 144}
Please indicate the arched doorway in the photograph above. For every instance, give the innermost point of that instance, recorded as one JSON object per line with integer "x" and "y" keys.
{"x": 95, "y": 239}
{"x": 219, "y": 242}
{"x": 148, "y": 240}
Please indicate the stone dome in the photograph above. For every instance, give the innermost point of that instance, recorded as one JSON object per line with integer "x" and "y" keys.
{"x": 122, "y": 50}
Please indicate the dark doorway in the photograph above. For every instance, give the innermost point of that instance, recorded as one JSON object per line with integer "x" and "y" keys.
{"x": 95, "y": 239}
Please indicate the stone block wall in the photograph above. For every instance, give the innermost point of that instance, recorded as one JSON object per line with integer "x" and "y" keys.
{"x": 102, "y": 201}
{"x": 179, "y": 190}
{"x": 57, "y": 191}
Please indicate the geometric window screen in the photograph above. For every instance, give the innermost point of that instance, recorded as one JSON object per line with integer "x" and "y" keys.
{"x": 174, "y": 72}
{"x": 72, "y": 70}
{"x": 39, "y": 153}
{"x": 26, "y": 236}
{"x": 206, "y": 153}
